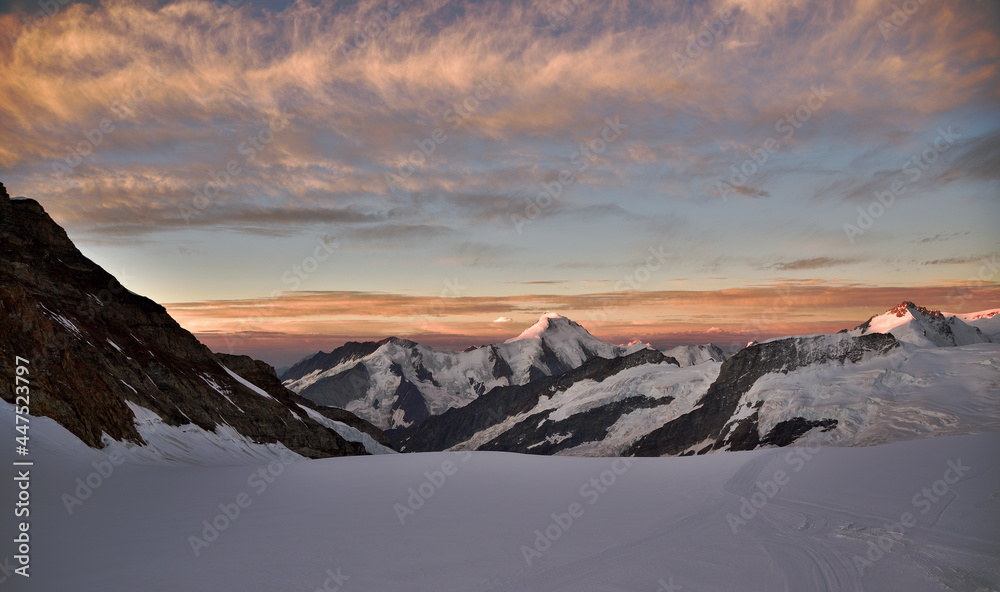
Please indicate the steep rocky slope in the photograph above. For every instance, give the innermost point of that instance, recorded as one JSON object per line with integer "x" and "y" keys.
{"x": 98, "y": 353}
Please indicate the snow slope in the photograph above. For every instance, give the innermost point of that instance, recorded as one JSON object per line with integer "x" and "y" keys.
{"x": 654, "y": 524}
{"x": 987, "y": 321}
{"x": 919, "y": 326}
{"x": 689, "y": 355}
{"x": 906, "y": 392}
{"x": 380, "y": 386}
{"x": 656, "y": 381}
{"x": 913, "y": 392}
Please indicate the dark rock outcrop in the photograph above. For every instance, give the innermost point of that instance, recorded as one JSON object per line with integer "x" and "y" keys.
{"x": 341, "y": 388}
{"x": 93, "y": 346}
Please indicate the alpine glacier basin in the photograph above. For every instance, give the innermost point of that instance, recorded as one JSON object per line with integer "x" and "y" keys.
{"x": 915, "y": 515}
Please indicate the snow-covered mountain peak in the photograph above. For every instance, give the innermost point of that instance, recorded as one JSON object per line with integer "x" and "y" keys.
{"x": 902, "y": 313}
{"x": 549, "y": 324}
{"x": 922, "y": 326}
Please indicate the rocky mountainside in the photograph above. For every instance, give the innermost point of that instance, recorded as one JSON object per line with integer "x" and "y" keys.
{"x": 113, "y": 366}
{"x": 852, "y": 388}
{"x": 643, "y": 404}
{"x": 504, "y": 403}
{"x": 715, "y": 422}
{"x": 101, "y": 356}
{"x": 397, "y": 383}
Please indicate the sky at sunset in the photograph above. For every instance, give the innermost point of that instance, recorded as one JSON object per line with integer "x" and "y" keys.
{"x": 286, "y": 176}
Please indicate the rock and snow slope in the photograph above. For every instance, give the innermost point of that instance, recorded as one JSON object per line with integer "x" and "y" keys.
{"x": 987, "y": 321}
{"x": 922, "y": 327}
{"x": 396, "y": 383}
{"x": 853, "y": 388}
{"x": 98, "y": 352}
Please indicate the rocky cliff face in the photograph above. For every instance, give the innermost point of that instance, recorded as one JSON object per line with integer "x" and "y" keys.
{"x": 95, "y": 349}
{"x": 263, "y": 375}
{"x": 712, "y": 424}
{"x": 532, "y": 434}
{"x": 615, "y": 406}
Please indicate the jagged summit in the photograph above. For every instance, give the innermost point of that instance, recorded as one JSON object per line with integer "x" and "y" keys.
{"x": 922, "y": 326}
{"x": 904, "y": 307}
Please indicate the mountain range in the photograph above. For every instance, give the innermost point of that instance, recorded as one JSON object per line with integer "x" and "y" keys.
{"x": 115, "y": 369}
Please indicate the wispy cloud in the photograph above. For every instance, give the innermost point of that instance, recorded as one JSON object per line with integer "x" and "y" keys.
{"x": 227, "y": 73}
{"x": 814, "y": 263}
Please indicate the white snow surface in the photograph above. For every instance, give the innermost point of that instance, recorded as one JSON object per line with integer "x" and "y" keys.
{"x": 931, "y": 503}
{"x": 190, "y": 444}
{"x": 913, "y": 392}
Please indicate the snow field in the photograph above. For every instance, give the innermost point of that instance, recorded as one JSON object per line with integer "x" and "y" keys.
{"x": 911, "y": 509}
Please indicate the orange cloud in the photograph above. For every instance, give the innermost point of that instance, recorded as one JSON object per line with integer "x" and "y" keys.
{"x": 658, "y": 316}
{"x": 243, "y": 67}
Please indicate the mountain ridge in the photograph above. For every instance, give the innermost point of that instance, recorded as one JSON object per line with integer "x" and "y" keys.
{"x": 100, "y": 354}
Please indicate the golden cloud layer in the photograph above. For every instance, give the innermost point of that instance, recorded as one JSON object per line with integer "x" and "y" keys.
{"x": 757, "y": 312}
{"x": 185, "y": 82}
